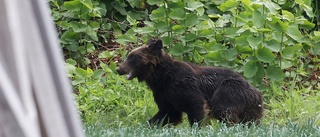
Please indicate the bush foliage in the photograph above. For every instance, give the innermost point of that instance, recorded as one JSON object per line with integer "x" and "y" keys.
{"x": 265, "y": 40}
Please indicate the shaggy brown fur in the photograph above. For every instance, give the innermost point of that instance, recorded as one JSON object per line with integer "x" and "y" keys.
{"x": 185, "y": 87}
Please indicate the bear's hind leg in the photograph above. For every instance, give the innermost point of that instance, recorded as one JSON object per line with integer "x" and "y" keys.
{"x": 229, "y": 100}
{"x": 197, "y": 112}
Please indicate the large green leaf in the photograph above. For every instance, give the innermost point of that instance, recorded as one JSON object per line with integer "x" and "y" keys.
{"x": 153, "y": 2}
{"x": 193, "y": 5}
{"x": 230, "y": 54}
{"x": 83, "y": 73}
{"x": 287, "y": 15}
{"x": 265, "y": 55}
{"x": 231, "y": 32}
{"x": 275, "y": 73}
{"x": 131, "y": 20}
{"x": 78, "y": 27}
{"x": 177, "y": 14}
{"x": 144, "y": 30}
{"x": 212, "y": 57}
{"x": 288, "y": 52}
{"x": 87, "y": 3}
{"x": 277, "y": 24}
{"x": 307, "y": 9}
{"x": 72, "y": 5}
{"x": 254, "y": 41}
{"x": 258, "y": 19}
{"x": 97, "y": 74}
{"x": 94, "y": 25}
{"x": 177, "y": 49}
{"x": 161, "y": 26}
{"x": 178, "y": 29}
{"x": 158, "y": 14}
{"x": 274, "y": 45}
{"x": 272, "y": 7}
{"x": 90, "y": 48}
{"x": 228, "y": 5}
{"x": 250, "y": 69}
{"x": 191, "y": 20}
{"x": 92, "y": 34}
{"x": 69, "y": 37}
{"x": 294, "y": 33}
{"x": 286, "y": 64}
{"x": 190, "y": 37}
{"x": 116, "y": 5}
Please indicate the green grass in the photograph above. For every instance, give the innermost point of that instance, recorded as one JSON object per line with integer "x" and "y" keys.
{"x": 308, "y": 129}
{"x": 110, "y": 105}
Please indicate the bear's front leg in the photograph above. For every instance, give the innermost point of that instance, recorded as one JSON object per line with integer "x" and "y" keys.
{"x": 163, "y": 118}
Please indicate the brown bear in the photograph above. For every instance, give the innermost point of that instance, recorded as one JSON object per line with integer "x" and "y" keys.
{"x": 199, "y": 91}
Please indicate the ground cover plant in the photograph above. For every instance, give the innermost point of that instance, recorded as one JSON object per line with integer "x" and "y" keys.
{"x": 275, "y": 44}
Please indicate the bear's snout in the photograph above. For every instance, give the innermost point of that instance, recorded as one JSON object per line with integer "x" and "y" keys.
{"x": 120, "y": 71}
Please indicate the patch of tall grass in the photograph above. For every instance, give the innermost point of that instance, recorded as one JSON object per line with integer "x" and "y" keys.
{"x": 110, "y": 105}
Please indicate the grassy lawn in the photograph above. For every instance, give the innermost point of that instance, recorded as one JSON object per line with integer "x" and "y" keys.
{"x": 110, "y": 105}
{"x": 308, "y": 129}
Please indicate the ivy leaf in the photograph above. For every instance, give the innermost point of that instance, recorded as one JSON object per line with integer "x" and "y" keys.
{"x": 177, "y": 49}
{"x": 161, "y": 26}
{"x": 190, "y": 37}
{"x": 212, "y": 57}
{"x": 154, "y": 2}
{"x": 69, "y": 37}
{"x": 254, "y": 42}
{"x": 105, "y": 54}
{"x": 272, "y": 7}
{"x": 258, "y": 19}
{"x": 90, "y": 48}
{"x": 177, "y": 14}
{"x": 94, "y": 25}
{"x": 92, "y": 34}
{"x": 287, "y": 15}
{"x": 131, "y": 20}
{"x": 116, "y": 5}
{"x": 97, "y": 74}
{"x": 81, "y": 72}
{"x": 294, "y": 33}
{"x": 71, "y": 61}
{"x": 286, "y": 64}
{"x": 144, "y": 30}
{"x": 72, "y": 5}
{"x": 307, "y": 25}
{"x": 274, "y": 73}
{"x": 277, "y": 24}
{"x": 158, "y": 14}
{"x": 274, "y": 45}
{"x": 191, "y": 20}
{"x": 78, "y": 27}
{"x": 250, "y": 69}
{"x": 288, "y": 52}
{"x": 308, "y": 10}
{"x": 193, "y": 5}
{"x": 231, "y": 54}
{"x": 178, "y": 29}
{"x": 228, "y": 5}
{"x": 265, "y": 55}
{"x": 87, "y": 3}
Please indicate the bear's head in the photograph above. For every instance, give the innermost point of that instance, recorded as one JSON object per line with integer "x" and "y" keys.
{"x": 141, "y": 62}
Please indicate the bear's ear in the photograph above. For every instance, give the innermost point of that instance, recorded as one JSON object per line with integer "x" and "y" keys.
{"x": 154, "y": 44}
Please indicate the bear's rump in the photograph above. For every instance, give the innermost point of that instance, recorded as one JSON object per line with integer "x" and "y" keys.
{"x": 239, "y": 98}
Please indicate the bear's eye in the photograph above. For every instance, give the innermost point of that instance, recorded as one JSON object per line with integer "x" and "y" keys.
{"x": 133, "y": 59}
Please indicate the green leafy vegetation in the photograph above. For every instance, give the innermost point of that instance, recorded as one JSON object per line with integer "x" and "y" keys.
{"x": 274, "y": 44}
